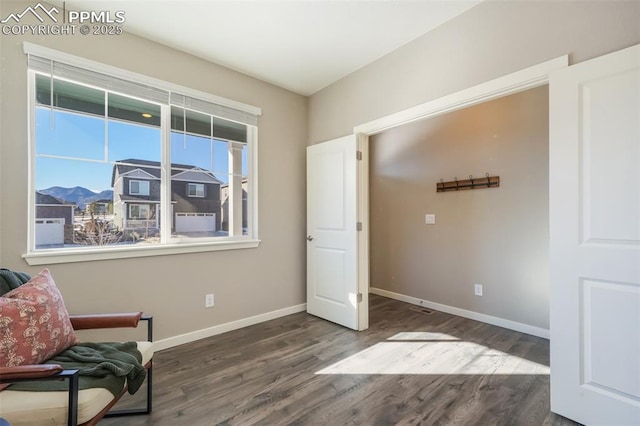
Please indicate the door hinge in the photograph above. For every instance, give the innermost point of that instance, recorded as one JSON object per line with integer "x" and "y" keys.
{"x": 359, "y": 297}
{"x": 359, "y": 226}
{"x": 359, "y": 155}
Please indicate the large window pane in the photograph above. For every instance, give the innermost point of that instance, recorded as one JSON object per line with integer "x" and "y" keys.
{"x": 135, "y": 151}
{"x": 99, "y": 173}
{"x": 92, "y": 200}
{"x": 135, "y": 143}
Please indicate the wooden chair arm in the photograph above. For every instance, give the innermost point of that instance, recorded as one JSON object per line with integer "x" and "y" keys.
{"x": 35, "y": 371}
{"x": 87, "y": 322}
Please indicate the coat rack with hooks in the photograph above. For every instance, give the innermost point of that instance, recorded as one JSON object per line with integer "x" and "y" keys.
{"x": 471, "y": 183}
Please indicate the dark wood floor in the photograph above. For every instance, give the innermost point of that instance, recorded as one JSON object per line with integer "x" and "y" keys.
{"x": 267, "y": 374}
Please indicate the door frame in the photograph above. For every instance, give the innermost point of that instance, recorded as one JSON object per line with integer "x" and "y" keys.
{"x": 518, "y": 81}
{"x": 362, "y": 206}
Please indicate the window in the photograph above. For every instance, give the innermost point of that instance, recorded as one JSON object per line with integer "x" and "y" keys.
{"x": 195, "y": 190}
{"x": 134, "y": 143}
{"x": 139, "y": 211}
{"x": 138, "y": 187}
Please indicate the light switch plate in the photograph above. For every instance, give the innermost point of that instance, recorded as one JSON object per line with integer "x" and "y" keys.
{"x": 430, "y": 219}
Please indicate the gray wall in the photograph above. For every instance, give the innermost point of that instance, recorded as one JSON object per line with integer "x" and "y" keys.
{"x": 495, "y": 237}
{"x": 490, "y": 40}
{"x": 245, "y": 282}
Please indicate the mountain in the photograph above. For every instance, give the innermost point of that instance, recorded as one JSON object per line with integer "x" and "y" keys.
{"x": 77, "y": 195}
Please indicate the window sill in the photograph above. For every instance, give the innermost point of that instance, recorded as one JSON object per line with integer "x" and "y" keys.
{"x": 48, "y": 257}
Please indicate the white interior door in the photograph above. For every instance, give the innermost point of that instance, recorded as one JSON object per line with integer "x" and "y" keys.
{"x": 333, "y": 281}
{"x": 595, "y": 239}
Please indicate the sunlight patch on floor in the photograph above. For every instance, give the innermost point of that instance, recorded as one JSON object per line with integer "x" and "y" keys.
{"x": 437, "y": 355}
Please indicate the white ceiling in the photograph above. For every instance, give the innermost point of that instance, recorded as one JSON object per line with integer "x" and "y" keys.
{"x": 302, "y": 45}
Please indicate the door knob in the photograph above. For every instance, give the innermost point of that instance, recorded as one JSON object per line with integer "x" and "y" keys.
{"x": 309, "y": 238}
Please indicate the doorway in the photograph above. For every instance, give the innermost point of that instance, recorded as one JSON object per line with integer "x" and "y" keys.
{"x": 482, "y": 253}
{"x": 529, "y": 78}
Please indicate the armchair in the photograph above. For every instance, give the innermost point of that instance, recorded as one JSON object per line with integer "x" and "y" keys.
{"x": 72, "y": 406}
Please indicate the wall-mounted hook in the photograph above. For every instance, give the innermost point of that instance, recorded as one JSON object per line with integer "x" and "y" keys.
{"x": 471, "y": 183}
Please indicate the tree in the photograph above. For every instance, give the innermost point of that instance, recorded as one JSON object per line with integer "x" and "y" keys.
{"x": 97, "y": 232}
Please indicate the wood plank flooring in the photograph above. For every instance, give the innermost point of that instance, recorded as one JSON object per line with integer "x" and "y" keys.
{"x": 409, "y": 368}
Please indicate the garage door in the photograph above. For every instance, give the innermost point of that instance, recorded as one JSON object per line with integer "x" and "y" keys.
{"x": 195, "y": 222}
{"x": 49, "y": 231}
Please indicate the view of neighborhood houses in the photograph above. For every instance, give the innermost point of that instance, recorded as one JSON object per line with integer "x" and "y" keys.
{"x": 98, "y": 181}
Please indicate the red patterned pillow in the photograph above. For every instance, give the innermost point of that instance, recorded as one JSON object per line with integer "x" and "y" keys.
{"x": 34, "y": 323}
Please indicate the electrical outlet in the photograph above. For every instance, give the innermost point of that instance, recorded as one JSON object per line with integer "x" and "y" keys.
{"x": 430, "y": 219}
{"x": 478, "y": 289}
{"x": 208, "y": 301}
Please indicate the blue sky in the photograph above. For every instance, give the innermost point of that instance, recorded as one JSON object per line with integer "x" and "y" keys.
{"x": 83, "y": 136}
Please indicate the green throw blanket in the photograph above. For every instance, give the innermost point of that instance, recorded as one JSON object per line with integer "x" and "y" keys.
{"x": 104, "y": 365}
{"x": 10, "y": 280}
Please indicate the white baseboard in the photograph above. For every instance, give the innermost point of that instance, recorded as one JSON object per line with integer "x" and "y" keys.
{"x": 500, "y": 322}
{"x": 181, "y": 339}
{"x": 245, "y": 322}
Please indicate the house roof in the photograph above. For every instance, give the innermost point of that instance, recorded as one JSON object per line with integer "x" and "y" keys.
{"x": 153, "y": 168}
{"x": 42, "y": 198}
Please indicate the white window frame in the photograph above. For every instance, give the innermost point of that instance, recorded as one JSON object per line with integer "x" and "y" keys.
{"x": 59, "y": 255}
{"x": 196, "y": 185}
{"x": 141, "y": 184}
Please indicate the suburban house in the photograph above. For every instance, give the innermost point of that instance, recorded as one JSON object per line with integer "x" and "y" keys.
{"x": 54, "y": 220}
{"x": 102, "y": 207}
{"x": 195, "y": 198}
{"x": 348, "y": 290}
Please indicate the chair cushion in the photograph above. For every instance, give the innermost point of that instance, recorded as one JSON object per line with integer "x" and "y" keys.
{"x": 34, "y": 323}
{"x": 146, "y": 350}
{"x": 50, "y": 408}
